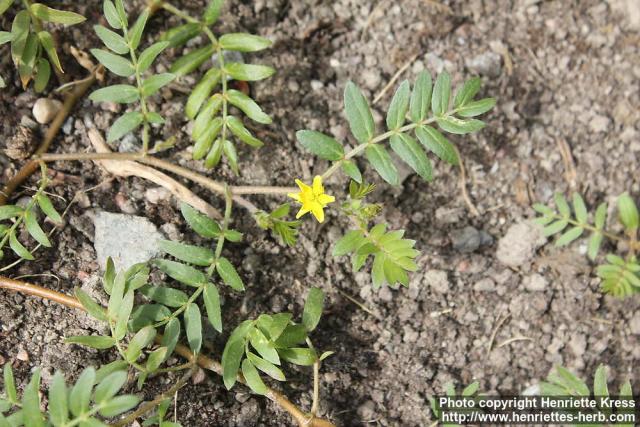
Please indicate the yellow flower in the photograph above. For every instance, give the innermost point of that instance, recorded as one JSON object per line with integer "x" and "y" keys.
{"x": 313, "y": 199}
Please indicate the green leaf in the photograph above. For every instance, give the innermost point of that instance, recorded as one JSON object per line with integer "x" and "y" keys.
{"x": 32, "y": 226}
{"x": 154, "y": 83}
{"x": 188, "y": 253}
{"x": 164, "y": 295}
{"x": 212, "y": 12}
{"x": 229, "y": 274}
{"x": 358, "y": 113}
{"x": 435, "y": 142}
{"x": 112, "y": 40}
{"x": 181, "y": 272}
{"x": 421, "y": 97}
{"x": 111, "y": 14}
{"x": 348, "y": 243}
{"x": 569, "y": 236}
{"x": 248, "y": 106}
{"x": 204, "y": 138}
{"x": 467, "y": 92}
{"x": 476, "y": 108}
{"x": 46, "y": 40}
{"x": 399, "y": 106}
{"x": 5, "y": 36}
{"x": 231, "y": 358}
{"x": 412, "y": 154}
{"x": 9, "y": 383}
{"x": 149, "y": 55}
{"x": 200, "y": 223}
{"x": 579, "y": 208}
{"x": 292, "y": 335}
{"x": 243, "y": 42}
{"x": 114, "y": 63}
{"x": 351, "y": 170}
{"x": 155, "y": 359}
{"x": 458, "y": 126}
{"x": 31, "y": 403}
{"x": 441, "y": 94}
{"x": 299, "y": 356}
{"x": 320, "y": 144}
{"x": 123, "y": 94}
{"x": 4, "y": 5}
{"x": 178, "y": 36}
{"x": 58, "y": 406}
{"x": 193, "y": 327}
{"x": 125, "y": 124}
{"x": 80, "y": 395}
{"x": 471, "y": 389}
{"x": 171, "y": 336}
{"x": 206, "y": 114}
{"x": 264, "y": 347}
{"x": 275, "y": 325}
{"x": 600, "y": 382}
{"x": 18, "y": 248}
{"x": 267, "y": 367}
{"x": 48, "y": 14}
{"x": 43, "y": 72}
{"x": 601, "y": 216}
{"x": 572, "y": 383}
{"x": 201, "y": 92}
{"x": 47, "y": 207}
{"x": 109, "y": 386}
{"x": 123, "y": 311}
{"x": 93, "y": 341}
{"x": 94, "y": 309}
{"x": 19, "y": 34}
{"x": 135, "y": 32}
{"x": 119, "y": 405}
{"x": 192, "y": 60}
{"x": 248, "y": 72}
{"x": 9, "y": 211}
{"x": 382, "y": 163}
{"x": 562, "y": 205}
{"x": 628, "y": 212}
{"x": 555, "y": 227}
{"x": 140, "y": 340}
{"x": 594, "y": 245}
{"x": 242, "y": 133}
{"x": 313, "y": 309}
{"x": 252, "y": 377}
{"x": 212, "y": 304}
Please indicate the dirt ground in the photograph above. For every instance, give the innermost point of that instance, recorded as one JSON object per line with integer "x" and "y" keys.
{"x": 565, "y": 73}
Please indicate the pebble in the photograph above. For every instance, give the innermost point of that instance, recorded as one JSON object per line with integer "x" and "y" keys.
{"x": 469, "y": 239}
{"x": 599, "y": 123}
{"x": 519, "y": 245}
{"x": 437, "y": 280}
{"x": 125, "y": 238}
{"x": 535, "y": 283}
{"x": 485, "y": 285}
{"x": 634, "y": 324}
{"x": 45, "y": 109}
{"x": 488, "y": 64}
{"x": 157, "y": 194}
{"x": 22, "y": 355}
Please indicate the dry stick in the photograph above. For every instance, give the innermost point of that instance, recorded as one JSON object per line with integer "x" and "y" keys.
{"x": 463, "y": 185}
{"x": 127, "y": 168}
{"x": 303, "y": 419}
{"x": 394, "y": 78}
{"x": 28, "y": 169}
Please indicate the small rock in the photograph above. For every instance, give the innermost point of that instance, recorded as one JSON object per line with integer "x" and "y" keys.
{"x": 45, "y": 109}
{"x": 599, "y": 123}
{"x": 578, "y": 344}
{"x": 535, "y": 283}
{"x": 157, "y": 194}
{"x": 67, "y": 128}
{"x": 125, "y": 238}
{"x": 448, "y": 215}
{"x": 371, "y": 78}
{"x": 22, "y": 355}
{"x": 366, "y": 411}
{"x": 519, "y": 245}
{"x": 198, "y": 377}
{"x": 485, "y": 285}
{"x": 469, "y": 239}
{"x": 437, "y": 279}
{"x": 129, "y": 144}
{"x": 488, "y": 64}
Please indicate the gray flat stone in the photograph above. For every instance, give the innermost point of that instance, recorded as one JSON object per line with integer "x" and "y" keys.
{"x": 127, "y": 239}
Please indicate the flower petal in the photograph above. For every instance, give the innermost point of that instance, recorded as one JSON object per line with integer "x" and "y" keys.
{"x": 303, "y": 210}
{"x": 325, "y": 199}
{"x": 302, "y": 185}
{"x": 317, "y": 211}
{"x": 317, "y": 185}
{"x": 295, "y": 196}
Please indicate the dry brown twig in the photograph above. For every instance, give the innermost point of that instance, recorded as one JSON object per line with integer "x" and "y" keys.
{"x": 303, "y": 419}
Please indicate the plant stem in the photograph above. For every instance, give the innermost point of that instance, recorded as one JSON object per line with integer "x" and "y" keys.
{"x": 316, "y": 383}
{"x": 203, "y": 361}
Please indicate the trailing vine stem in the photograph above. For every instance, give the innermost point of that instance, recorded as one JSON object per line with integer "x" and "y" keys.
{"x": 303, "y": 419}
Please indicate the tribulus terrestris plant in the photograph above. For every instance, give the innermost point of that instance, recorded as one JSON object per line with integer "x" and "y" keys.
{"x": 147, "y": 322}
